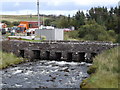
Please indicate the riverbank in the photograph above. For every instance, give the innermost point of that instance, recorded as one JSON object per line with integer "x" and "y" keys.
{"x": 104, "y": 71}
{"x": 9, "y": 59}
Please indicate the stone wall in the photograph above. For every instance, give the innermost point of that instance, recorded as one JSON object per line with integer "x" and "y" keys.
{"x": 57, "y": 50}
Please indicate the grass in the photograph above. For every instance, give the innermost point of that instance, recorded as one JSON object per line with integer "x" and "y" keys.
{"x": 8, "y": 59}
{"x": 71, "y": 35}
{"x": 31, "y": 40}
{"x": 26, "y": 39}
{"x": 107, "y": 72}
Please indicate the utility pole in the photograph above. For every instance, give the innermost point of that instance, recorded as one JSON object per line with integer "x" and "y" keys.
{"x": 38, "y": 14}
{"x": 43, "y": 20}
{"x": 38, "y": 17}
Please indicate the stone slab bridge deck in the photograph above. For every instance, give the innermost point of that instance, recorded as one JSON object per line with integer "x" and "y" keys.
{"x": 79, "y": 51}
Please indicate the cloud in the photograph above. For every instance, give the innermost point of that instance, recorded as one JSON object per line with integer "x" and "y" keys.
{"x": 95, "y": 2}
{"x": 17, "y": 4}
{"x": 46, "y": 12}
{"x": 63, "y": 7}
{"x": 33, "y": 12}
{"x": 83, "y": 2}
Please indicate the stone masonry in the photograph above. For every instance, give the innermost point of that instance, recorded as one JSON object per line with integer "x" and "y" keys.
{"x": 79, "y": 51}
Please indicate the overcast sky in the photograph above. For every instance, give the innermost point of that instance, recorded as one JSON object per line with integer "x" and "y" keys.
{"x": 57, "y": 7}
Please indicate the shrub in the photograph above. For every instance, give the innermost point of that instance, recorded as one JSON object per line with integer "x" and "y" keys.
{"x": 92, "y": 69}
{"x": 96, "y": 32}
{"x": 9, "y": 24}
{"x": 15, "y": 23}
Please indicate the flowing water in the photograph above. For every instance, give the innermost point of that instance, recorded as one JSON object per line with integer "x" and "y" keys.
{"x": 45, "y": 74}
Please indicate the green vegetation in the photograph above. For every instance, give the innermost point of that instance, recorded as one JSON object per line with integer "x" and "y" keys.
{"x": 96, "y": 32}
{"x": 10, "y": 24}
{"x": 72, "y": 35}
{"x": 99, "y": 23}
{"x": 104, "y": 71}
{"x": 13, "y": 18}
{"x": 43, "y": 39}
{"x": 8, "y": 59}
{"x": 30, "y": 40}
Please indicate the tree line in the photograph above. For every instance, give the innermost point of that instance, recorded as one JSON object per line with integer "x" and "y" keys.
{"x": 101, "y": 15}
{"x": 10, "y": 24}
{"x": 98, "y": 23}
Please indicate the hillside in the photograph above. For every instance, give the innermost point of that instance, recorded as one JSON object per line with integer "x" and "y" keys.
{"x": 13, "y": 18}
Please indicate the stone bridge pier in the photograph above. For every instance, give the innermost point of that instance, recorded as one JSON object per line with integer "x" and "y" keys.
{"x": 59, "y": 50}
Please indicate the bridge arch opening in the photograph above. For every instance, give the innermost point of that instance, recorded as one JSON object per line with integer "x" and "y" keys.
{"x": 47, "y": 55}
{"x": 69, "y": 56}
{"x": 21, "y": 54}
{"x": 36, "y": 54}
{"x": 81, "y": 56}
{"x": 93, "y": 55}
{"x": 58, "y": 55}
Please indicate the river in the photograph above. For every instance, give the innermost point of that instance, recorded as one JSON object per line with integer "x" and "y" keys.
{"x": 45, "y": 74}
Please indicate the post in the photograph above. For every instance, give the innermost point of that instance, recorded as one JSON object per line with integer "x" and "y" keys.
{"x": 43, "y": 20}
{"x": 38, "y": 16}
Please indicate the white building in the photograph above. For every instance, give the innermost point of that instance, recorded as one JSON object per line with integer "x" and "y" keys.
{"x": 50, "y": 34}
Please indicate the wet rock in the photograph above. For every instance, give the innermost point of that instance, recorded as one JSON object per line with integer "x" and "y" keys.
{"x": 5, "y": 71}
{"x": 30, "y": 63}
{"x": 53, "y": 78}
{"x": 67, "y": 65}
{"x": 22, "y": 71}
{"x": 84, "y": 77}
{"x": 13, "y": 65}
{"x": 60, "y": 80}
{"x": 54, "y": 65}
{"x": 47, "y": 80}
{"x": 66, "y": 70}
{"x": 73, "y": 69}
{"x": 41, "y": 76}
{"x": 50, "y": 76}
{"x": 66, "y": 75}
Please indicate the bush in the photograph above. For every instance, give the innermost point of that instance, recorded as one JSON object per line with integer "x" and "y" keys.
{"x": 92, "y": 69}
{"x": 96, "y": 32}
{"x": 15, "y": 23}
{"x": 71, "y": 35}
{"x": 88, "y": 37}
{"x": 9, "y": 24}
